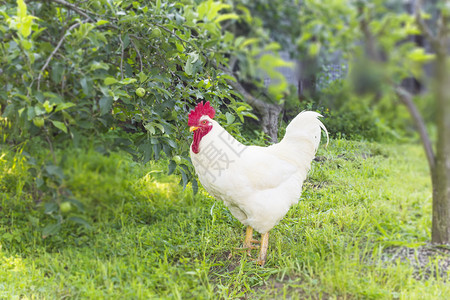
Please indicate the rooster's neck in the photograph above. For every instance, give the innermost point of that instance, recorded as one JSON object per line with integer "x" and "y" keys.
{"x": 217, "y": 140}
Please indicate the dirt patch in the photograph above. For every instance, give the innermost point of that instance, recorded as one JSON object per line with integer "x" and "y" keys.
{"x": 427, "y": 260}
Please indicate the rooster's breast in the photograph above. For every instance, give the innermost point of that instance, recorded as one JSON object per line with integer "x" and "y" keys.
{"x": 256, "y": 185}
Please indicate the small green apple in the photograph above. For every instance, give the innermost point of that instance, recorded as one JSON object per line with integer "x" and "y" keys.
{"x": 156, "y": 33}
{"x": 140, "y": 92}
{"x": 38, "y": 121}
{"x": 65, "y": 207}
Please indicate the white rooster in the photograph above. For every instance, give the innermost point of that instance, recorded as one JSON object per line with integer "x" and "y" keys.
{"x": 257, "y": 184}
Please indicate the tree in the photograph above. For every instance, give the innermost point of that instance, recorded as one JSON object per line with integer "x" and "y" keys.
{"x": 438, "y": 162}
{"x": 118, "y": 74}
{"x": 381, "y": 55}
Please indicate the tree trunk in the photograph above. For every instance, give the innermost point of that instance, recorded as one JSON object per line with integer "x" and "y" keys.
{"x": 440, "y": 172}
{"x": 270, "y": 117}
{"x": 441, "y": 176}
{"x": 308, "y": 69}
{"x": 269, "y": 112}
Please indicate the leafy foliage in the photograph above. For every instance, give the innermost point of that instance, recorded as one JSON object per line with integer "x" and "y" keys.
{"x": 376, "y": 42}
{"x": 119, "y": 74}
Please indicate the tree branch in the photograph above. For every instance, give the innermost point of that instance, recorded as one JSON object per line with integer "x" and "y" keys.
{"x": 369, "y": 38}
{"x": 233, "y": 61}
{"x": 54, "y": 52}
{"x": 443, "y": 31}
{"x": 406, "y": 99}
{"x": 172, "y": 33}
{"x": 434, "y": 40}
{"x": 269, "y": 111}
{"x": 71, "y": 6}
{"x": 260, "y": 105}
{"x": 121, "y": 55}
{"x": 138, "y": 53}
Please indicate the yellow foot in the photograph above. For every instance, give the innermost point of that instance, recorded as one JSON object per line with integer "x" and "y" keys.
{"x": 249, "y": 246}
{"x": 263, "y": 250}
{"x": 246, "y": 248}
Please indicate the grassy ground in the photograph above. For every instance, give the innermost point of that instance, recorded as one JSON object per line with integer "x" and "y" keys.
{"x": 151, "y": 239}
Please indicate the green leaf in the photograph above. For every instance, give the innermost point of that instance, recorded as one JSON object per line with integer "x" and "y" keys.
{"x": 228, "y": 77}
{"x": 189, "y": 67}
{"x": 172, "y": 167}
{"x": 194, "y": 56}
{"x": 248, "y": 42}
{"x": 110, "y": 80}
{"x": 142, "y": 77}
{"x": 247, "y": 14}
{"x": 160, "y": 127}
{"x": 99, "y": 65}
{"x": 57, "y": 72}
{"x": 21, "y": 110}
{"x": 23, "y": 21}
{"x": 60, "y": 125}
{"x": 250, "y": 115}
{"x": 47, "y": 106}
{"x": 419, "y": 55}
{"x": 230, "y": 118}
{"x": 314, "y": 49}
{"x": 190, "y": 16}
{"x": 31, "y": 113}
{"x": 128, "y": 81}
{"x": 55, "y": 171}
{"x": 226, "y": 17}
{"x": 80, "y": 221}
{"x": 210, "y": 9}
{"x": 150, "y": 128}
{"x": 194, "y": 186}
{"x": 272, "y": 47}
{"x": 192, "y": 59}
{"x": 184, "y": 178}
{"x": 238, "y": 41}
{"x": 172, "y": 143}
{"x": 51, "y": 229}
{"x": 63, "y": 106}
{"x": 39, "y": 182}
{"x": 25, "y": 26}
{"x": 158, "y": 6}
{"x": 26, "y": 44}
{"x": 77, "y": 203}
{"x": 21, "y": 9}
{"x": 202, "y": 8}
{"x": 50, "y": 207}
{"x": 105, "y": 104}
{"x": 102, "y": 22}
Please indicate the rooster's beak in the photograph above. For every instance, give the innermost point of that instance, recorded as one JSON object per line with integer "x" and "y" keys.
{"x": 193, "y": 128}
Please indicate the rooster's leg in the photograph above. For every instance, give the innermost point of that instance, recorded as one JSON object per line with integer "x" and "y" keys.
{"x": 248, "y": 243}
{"x": 249, "y": 240}
{"x": 263, "y": 250}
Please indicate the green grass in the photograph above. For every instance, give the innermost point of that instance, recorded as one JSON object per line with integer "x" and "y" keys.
{"x": 152, "y": 239}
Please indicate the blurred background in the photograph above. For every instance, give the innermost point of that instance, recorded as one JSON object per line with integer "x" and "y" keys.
{"x": 127, "y": 73}
{"x": 94, "y": 102}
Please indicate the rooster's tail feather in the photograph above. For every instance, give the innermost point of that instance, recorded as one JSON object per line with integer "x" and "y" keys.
{"x": 306, "y": 125}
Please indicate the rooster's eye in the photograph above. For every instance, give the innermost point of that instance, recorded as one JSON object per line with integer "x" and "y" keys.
{"x": 204, "y": 122}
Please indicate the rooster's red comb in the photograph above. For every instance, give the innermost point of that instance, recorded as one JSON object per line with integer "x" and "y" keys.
{"x": 199, "y": 111}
